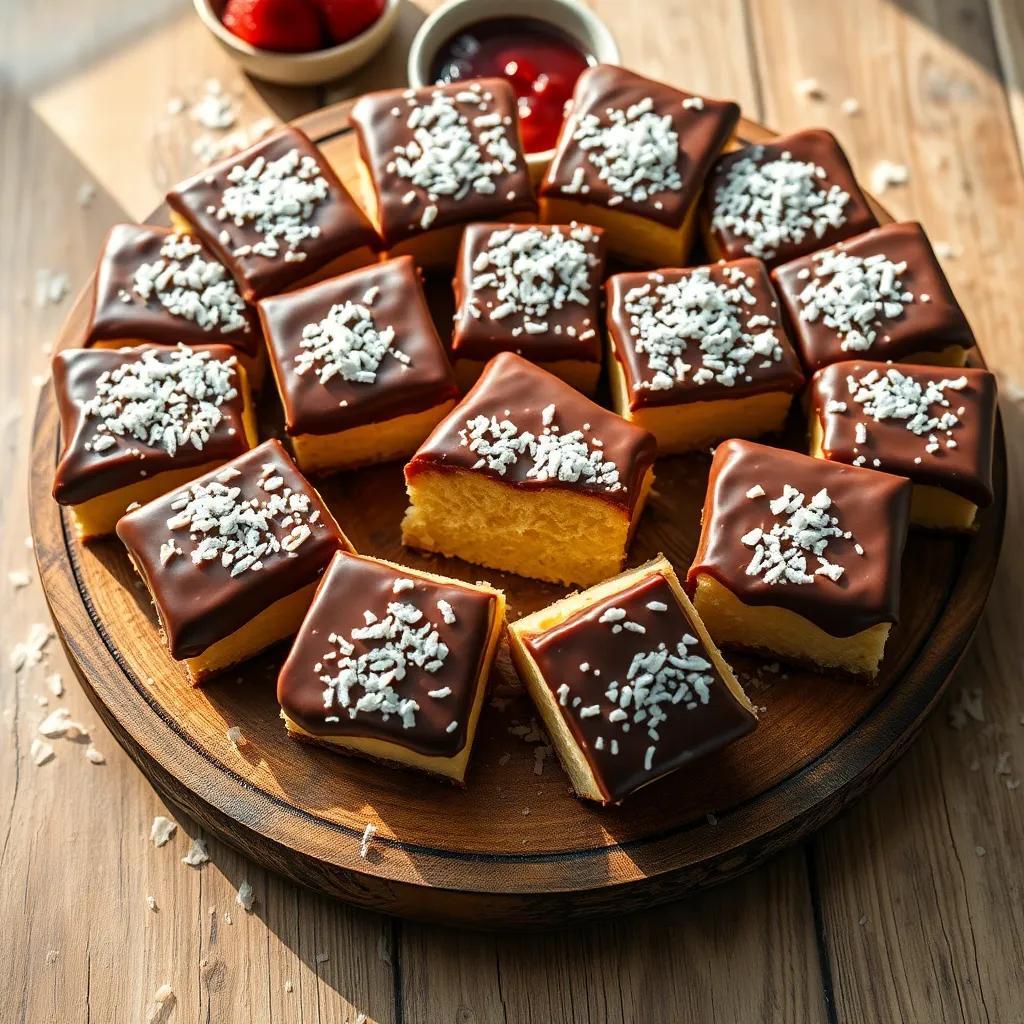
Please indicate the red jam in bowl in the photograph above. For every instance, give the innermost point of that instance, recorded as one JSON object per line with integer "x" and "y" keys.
{"x": 541, "y": 63}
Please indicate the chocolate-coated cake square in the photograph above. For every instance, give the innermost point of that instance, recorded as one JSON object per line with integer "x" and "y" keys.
{"x": 881, "y": 295}
{"x": 701, "y": 353}
{"x": 233, "y": 558}
{"x": 628, "y": 682}
{"x": 275, "y": 215}
{"x": 534, "y": 290}
{"x": 933, "y": 425}
{"x": 362, "y": 373}
{"x": 392, "y": 663}
{"x": 782, "y": 199}
{"x": 136, "y": 422}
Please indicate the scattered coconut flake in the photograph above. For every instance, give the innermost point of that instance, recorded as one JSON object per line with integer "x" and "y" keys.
{"x": 18, "y": 579}
{"x": 94, "y": 756}
{"x": 967, "y": 703}
{"x": 52, "y": 286}
{"x": 850, "y": 107}
{"x": 810, "y": 89}
{"x": 885, "y": 174}
{"x": 86, "y": 194}
{"x": 197, "y": 855}
{"x": 151, "y": 903}
{"x": 947, "y": 250}
{"x": 29, "y": 652}
{"x": 51, "y": 955}
{"x": 59, "y": 723}
{"x": 162, "y": 830}
{"x": 288, "y": 986}
{"x": 215, "y": 108}
{"x": 40, "y": 752}
{"x": 246, "y": 897}
{"x": 364, "y": 843}
{"x": 235, "y": 737}
{"x": 55, "y": 684}
{"x": 322, "y": 958}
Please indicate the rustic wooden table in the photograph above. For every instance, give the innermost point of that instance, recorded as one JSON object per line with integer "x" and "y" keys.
{"x": 909, "y": 908}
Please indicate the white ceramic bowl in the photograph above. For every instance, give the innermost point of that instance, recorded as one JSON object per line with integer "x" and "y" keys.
{"x": 301, "y": 68}
{"x": 568, "y": 16}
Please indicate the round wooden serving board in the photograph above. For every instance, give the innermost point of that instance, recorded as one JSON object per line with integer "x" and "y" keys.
{"x": 514, "y": 848}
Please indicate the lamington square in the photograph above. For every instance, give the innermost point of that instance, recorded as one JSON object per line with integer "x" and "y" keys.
{"x": 528, "y": 476}
{"x": 275, "y": 215}
{"x": 392, "y": 663}
{"x": 782, "y": 199}
{"x": 631, "y": 158}
{"x": 800, "y": 557}
{"x": 933, "y": 425}
{"x": 534, "y": 290}
{"x": 700, "y": 354}
{"x": 232, "y": 560}
{"x": 435, "y": 159}
{"x": 362, "y": 374}
{"x": 881, "y": 295}
{"x": 135, "y": 423}
{"x": 155, "y": 286}
{"x": 628, "y": 682}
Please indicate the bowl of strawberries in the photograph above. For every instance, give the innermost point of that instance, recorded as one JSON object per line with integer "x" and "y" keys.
{"x": 300, "y": 42}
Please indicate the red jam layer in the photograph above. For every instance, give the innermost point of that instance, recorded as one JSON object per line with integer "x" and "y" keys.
{"x": 541, "y": 63}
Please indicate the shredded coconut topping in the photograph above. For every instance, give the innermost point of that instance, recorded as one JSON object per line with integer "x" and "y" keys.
{"x": 395, "y": 646}
{"x": 451, "y": 153}
{"x": 277, "y": 199}
{"x": 854, "y": 295}
{"x": 776, "y": 202}
{"x": 241, "y": 534}
{"x": 569, "y": 458}
{"x": 634, "y": 151}
{"x": 894, "y": 395}
{"x": 535, "y": 271}
{"x": 347, "y": 343}
{"x": 657, "y": 681}
{"x": 666, "y": 317}
{"x": 189, "y": 285}
{"x": 163, "y": 403}
{"x": 802, "y": 528}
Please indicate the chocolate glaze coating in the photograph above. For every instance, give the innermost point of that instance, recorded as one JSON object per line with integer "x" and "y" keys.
{"x": 379, "y": 130}
{"x": 354, "y": 584}
{"x": 965, "y": 470}
{"x": 702, "y": 134}
{"x": 922, "y": 327}
{"x": 783, "y": 375}
{"x": 873, "y": 506}
{"x": 83, "y": 474}
{"x": 511, "y": 385}
{"x": 311, "y": 407}
{"x": 343, "y": 226}
{"x": 812, "y": 145}
{"x": 127, "y": 246}
{"x": 480, "y": 337}
{"x": 582, "y": 639}
{"x": 201, "y": 604}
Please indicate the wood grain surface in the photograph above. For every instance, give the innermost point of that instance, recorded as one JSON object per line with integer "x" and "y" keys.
{"x": 906, "y": 909}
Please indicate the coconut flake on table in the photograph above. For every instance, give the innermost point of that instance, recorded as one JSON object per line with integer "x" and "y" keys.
{"x": 18, "y": 578}
{"x": 162, "y": 830}
{"x": 40, "y": 752}
{"x": 854, "y": 295}
{"x": 698, "y": 321}
{"x": 245, "y": 897}
{"x": 535, "y": 271}
{"x": 190, "y": 285}
{"x": 197, "y": 854}
{"x": 776, "y": 202}
{"x": 886, "y": 174}
{"x": 802, "y": 530}
{"x": 29, "y": 652}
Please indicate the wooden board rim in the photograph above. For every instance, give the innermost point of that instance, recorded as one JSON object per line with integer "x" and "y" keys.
{"x": 810, "y": 796}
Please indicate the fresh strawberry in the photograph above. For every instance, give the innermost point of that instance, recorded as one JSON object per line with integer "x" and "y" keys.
{"x": 290, "y": 26}
{"x": 347, "y": 18}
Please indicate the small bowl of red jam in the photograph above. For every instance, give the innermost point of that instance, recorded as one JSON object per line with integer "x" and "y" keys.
{"x": 540, "y": 50}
